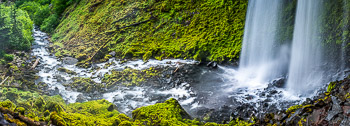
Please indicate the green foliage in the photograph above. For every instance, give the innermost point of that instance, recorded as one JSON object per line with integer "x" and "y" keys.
{"x": 50, "y": 23}
{"x": 8, "y": 57}
{"x": 59, "y": 6}
{"x": 41, "y": 15}
{"x": 45, "y": 13}
{"x": 31, "y": 8}
{"x": 202, "y": 30}
{"x": 43, "y": 2}
{"x": 16, "y": 28}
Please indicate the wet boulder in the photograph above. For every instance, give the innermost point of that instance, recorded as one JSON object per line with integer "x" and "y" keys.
{"x": 336, "y": 109}
{"x": 279, "y": 83}
{"x": 167, "y": 113}
{"x": 69, "y": 60}
{"x": 212, "y": 65}
{"x": 81, "y": 98}
{"x": 112, "y": 53}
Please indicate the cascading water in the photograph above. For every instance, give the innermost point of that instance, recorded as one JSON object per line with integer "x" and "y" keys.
{"x": 305, "y": 73}
{"x": 127, "y": 98}
{"x": 263, "y": 58}
{"x": 315, "y": 60}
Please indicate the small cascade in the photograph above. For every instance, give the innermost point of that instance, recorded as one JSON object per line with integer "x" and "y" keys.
{"x": 127, "y": 98}
{"x": 316, "y": 59}
{"x": 263, "y": 58}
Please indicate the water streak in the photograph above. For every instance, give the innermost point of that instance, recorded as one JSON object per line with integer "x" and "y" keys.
{"x": 263, "y": 58}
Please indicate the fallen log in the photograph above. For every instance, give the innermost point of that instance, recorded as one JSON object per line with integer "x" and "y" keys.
{"x": 90, "y": 59}
{"x": 21, "y": 117}
{"x": 36, "y": 63}
{"x": 176, "y": 69}
{"x": 4, "y": 81}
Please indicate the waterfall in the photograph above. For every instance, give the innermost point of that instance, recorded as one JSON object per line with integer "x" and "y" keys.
{"x": 317, "y": 54}
{"x": 305, "y": 73}
{"x": 263, "y": 58}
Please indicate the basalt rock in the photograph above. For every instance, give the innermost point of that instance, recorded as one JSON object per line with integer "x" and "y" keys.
{"x": 329, "y": 108}
{"x": 212, "y": 65}
{"x": 69, "y": 60}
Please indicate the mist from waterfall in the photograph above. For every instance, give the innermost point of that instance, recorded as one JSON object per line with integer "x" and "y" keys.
{"x": 263, "y": 58}
{"x": 309, "y": 61}
{"x": 305, "y": 73}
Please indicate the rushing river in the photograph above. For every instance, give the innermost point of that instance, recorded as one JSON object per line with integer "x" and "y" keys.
{"x": 212, "y": 88}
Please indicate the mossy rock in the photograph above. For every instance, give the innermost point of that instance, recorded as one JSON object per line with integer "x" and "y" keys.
{"x": 62, "y": 69}
{"x": 169, "y": 112}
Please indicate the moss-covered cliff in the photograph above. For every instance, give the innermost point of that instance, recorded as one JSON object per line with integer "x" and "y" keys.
{"x": 201, "y": 30}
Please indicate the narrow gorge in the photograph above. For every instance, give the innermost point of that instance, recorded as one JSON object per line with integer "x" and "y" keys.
{"x": 211, "y": 62}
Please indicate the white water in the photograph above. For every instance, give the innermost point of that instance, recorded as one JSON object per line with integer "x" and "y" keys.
{"x": 126, "y": 98}
{"x": 307, "y": 68}
{"x": 47, "y": 64}
{"x": 262, "y": 58}
{"x": 305, "y": 72}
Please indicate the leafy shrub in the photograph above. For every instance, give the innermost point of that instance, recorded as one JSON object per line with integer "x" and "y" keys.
{"x": 59, "y": 6}
{"x": 41, "y": 15}
{"x": 43, "y": 2}
{"x": 8, "y": 57}
{"x": 31, "y": 8}
{"x": 50, "y": 23}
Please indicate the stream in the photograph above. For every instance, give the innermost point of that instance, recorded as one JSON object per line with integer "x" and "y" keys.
{"x": 205, "y": 89}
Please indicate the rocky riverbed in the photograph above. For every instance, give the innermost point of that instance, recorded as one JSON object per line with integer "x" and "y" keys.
{"x": 206, "y": 90}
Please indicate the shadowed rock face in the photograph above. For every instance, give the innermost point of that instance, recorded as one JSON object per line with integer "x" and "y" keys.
{"x": 330, "y": 108}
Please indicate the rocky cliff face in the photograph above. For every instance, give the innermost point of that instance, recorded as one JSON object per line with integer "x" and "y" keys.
{"x": 329, "y": 108}
{"x": 202, "y": 30}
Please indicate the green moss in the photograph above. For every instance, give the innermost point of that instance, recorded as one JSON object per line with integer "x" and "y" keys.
{"x": 331, "y": 86}
{"x": 168, "y": 113}
{"x": 129, "y": 77}
{"x": 202, "y": 30}
{"x": 239, "y": 122}
{"x": 85, "y": 85}
{"x": 46, "y": 108}
{"x": 20, "y": 110}
{"x": 91, "y": 113}
{"x": 7, "y": 104}
{"x": 57, "y": 120}
{"x": 62, "y": 69}
{"x": 100, "y": 112}
{"x": 293, "y": 108}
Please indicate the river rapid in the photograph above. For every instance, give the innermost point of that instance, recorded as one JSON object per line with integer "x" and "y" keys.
{"x": 221, "y": 92}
